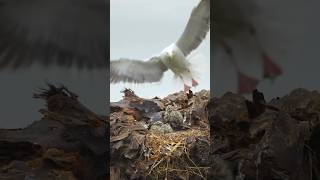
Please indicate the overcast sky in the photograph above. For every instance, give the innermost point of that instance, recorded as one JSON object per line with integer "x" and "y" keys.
{"x": 142, "y": 28}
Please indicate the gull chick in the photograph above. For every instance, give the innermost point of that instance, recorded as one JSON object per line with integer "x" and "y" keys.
{"x": 174, "y": 57}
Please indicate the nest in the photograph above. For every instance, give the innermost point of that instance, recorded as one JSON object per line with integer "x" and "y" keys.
{"x": 169, "y": 154}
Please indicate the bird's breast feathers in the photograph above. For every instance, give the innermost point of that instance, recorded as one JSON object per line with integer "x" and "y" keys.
{"x": 174, "y": 59}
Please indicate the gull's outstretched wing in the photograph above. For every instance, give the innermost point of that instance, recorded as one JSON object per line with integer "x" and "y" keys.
{"x": 62, "y": 32}
{"x": 196, "y": 29}
{"x": 136, "y": 71}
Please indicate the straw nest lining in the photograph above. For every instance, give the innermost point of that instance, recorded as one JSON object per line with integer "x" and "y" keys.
{"x": 170, "y": 154}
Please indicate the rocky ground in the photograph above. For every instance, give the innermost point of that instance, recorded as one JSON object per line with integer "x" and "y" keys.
{"x": 160, "y": 138}
{"x": 259, "y": 140}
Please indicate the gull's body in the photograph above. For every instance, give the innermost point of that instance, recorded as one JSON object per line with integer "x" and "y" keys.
{"x": 174, "y": 57}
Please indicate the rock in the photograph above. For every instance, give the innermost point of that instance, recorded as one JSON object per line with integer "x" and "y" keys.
{"x": 127, "y": 138}
{"x": 198, "y": 114}
{"x": 278, "y": 141}
{"x": 69, "y": 142}
{"x": 230, "y": 108}
{"x": 61, "y": 159}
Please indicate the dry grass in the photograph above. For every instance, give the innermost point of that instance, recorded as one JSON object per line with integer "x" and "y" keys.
{"x": 170, "y": 154}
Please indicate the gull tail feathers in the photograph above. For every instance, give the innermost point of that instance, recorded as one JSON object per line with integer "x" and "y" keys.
{"x": 198, "y": 65}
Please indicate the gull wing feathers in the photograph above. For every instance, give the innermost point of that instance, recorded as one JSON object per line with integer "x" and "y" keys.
{"x": 136, "y": 71}
{"x": 62, "y": 32}
{"x": 196, "y": 29}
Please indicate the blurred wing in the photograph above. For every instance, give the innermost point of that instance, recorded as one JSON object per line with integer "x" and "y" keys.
{"x": 126, "y": 70}
{"x": 196, "y": 29}
{"x": 62, "y": 32}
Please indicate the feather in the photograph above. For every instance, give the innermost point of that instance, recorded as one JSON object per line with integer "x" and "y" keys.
{"x": 196, "y": 29}
{"x": 62, "y": 32}
{"x": 128, "y": 70}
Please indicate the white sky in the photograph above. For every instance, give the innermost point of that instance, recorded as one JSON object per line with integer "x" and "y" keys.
{"x": 142, "y": 28}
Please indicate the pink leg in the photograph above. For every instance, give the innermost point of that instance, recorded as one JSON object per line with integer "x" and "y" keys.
{"x": 271, "y": 69}
{"x": 246, "y": 84}
{"x": 186, "y": 88}
{"x": 194, "y": 83}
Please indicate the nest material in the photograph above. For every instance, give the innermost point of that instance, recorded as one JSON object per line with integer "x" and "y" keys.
{"x": 169, "y": 154}
{"x": 158, "y": 154}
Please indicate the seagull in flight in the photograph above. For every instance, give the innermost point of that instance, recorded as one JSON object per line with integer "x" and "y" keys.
{"x": 174, "y": 57}
{"x": 68, "y": 33}
{"x": 233, "y": 21}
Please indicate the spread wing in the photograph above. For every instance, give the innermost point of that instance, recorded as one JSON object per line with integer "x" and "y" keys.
{"x": 196, "y": 29}
{"x": 136, "y": 71}
{"x": 62, "y": 32}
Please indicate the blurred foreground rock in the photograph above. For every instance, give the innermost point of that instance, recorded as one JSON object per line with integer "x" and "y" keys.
{"x": 258, "y": 140}
{"x": 69, "y": 142}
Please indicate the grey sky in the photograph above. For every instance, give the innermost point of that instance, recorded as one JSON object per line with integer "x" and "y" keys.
{"x": 142, "y": 28}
